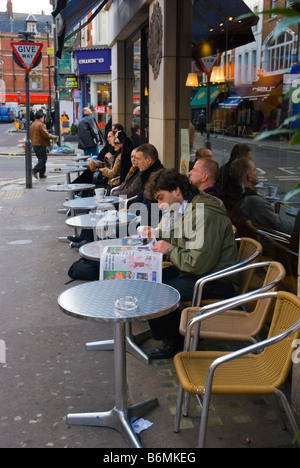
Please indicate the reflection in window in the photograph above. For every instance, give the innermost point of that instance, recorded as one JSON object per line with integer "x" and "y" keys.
{"x": 281, "y": 53}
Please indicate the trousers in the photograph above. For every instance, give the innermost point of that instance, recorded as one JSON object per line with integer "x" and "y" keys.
{"x": 167, "y": 326}
{"x": 41, "y": 154}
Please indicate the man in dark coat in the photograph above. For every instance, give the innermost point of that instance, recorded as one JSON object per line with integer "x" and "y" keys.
{"x": 147, "y": 162}
{"x": 88, "y": 134}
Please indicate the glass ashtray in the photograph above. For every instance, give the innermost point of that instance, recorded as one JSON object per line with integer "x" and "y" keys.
{"x": 126, "y": 303}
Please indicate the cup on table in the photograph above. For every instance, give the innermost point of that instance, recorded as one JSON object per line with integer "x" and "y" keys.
{"x": 272, "y": 190}
{"x": 111, "y": 215}
{"x": 100, "y": 193}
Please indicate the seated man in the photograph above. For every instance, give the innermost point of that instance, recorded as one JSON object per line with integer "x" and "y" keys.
{"x": 200, "y": 242}
{"x": 244, "y": 203}
{"x": 132, "y": 183}
{"x": 148, "y": 162}
{"x": 204, "y": 176}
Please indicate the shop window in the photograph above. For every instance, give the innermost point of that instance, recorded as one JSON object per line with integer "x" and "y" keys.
{"x": 137, "y": 80}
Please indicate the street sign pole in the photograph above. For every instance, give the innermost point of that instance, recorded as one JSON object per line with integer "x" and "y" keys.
{"x": 28, "y": 143}
{"x": 207, "y": 64}
{"x": 26, "y": 55}
{"x": 208, "y": 114}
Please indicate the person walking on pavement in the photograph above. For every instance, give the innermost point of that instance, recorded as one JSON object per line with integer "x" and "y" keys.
{"x": 88, "y": 134}
{"x": 40, "y": 140}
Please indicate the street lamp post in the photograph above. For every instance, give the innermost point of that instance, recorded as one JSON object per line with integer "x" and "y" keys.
{"x": 56, "y": 85}
{"x": 48, "y": 29}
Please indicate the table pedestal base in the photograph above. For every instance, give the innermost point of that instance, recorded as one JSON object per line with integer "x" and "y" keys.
{"x": 131, "y": 343}
{"x": 116, "y": 419}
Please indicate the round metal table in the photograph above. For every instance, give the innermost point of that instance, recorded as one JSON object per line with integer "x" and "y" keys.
{"x": 67, "y": 171}
{"x": 70, "y": 188}
{"x": 95, "y": 301}
{"x": 102, "y": 227}
{"x": 91, "y": 203}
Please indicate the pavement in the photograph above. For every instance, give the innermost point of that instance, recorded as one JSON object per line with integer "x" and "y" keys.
{"x": 46, "y": 371}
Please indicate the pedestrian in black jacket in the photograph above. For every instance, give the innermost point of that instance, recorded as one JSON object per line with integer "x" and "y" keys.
{"x": 88, "y": 134}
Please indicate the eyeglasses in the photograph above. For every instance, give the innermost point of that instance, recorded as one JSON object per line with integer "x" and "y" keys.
{"x": 117, "y": 143}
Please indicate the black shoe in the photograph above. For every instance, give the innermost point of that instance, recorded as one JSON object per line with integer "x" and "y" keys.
{"x": 169, "y": 348}
{"x": 43, "y": 176}
{"x": 77, "y": 245}
{"x": 75, "y": 238}
{"x": 35, "y": 175}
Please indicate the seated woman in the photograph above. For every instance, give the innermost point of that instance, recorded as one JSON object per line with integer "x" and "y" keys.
{"x": 121, "y": 165}
{"x": 132, "y": 183}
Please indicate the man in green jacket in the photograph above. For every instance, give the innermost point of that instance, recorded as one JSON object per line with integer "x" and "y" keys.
{"x": 200, "y": 242}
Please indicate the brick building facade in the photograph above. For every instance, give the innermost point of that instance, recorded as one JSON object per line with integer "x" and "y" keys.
{"x": 11, "y": 75}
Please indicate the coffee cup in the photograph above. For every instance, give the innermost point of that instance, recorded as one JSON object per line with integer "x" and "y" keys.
{"x": 111, "y": 215}
{"x": 100, "y": 193}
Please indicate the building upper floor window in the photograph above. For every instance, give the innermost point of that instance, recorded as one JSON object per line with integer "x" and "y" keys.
{"x": 31, "y": 27}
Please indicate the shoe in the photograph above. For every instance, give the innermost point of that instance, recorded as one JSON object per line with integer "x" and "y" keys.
{"x": 169, "y": 348}
{"x": 35, "y": 175}
{"x": 43, "y": 177}
{"x": 77, "y": 245}
{"x": 75, "y": 238}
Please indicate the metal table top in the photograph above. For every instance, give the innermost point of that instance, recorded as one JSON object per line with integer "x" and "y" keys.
{"x": 95, "y": 300}
{"x": 70, "y": 187}
{"x": 67, "y": 170}
{"x": 93, "y": 250}
{"x": 80, "y": 157}
{"x": 90, "y": 203}
{"x": 86, "y": 221}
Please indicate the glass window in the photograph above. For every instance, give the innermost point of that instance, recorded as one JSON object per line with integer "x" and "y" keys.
{"x": 137, "y": 108}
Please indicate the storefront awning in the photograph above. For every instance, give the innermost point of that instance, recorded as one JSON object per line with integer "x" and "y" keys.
{"x": 231, "y": 103}
{"x": 262, "y": 88}
{"x": 214, "y": 25}
{"x": 216, "y": 28}
{"x": 21, "y": 98}
{"x": 200, "y": 100}
{"x": 71, "y": 14}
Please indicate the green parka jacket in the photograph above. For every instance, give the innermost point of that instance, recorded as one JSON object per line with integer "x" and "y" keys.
{"x": 202, "y": 238}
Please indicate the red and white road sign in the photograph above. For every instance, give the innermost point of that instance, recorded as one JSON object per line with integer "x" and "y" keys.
{"x": 207, "y": 63}
{"x": 27, "y": 53}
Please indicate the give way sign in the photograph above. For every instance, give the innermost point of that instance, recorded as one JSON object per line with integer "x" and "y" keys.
{"x": 209, "y": 62}
{"x": 27, "y": 53}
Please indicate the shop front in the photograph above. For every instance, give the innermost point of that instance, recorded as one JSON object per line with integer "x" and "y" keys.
{"x": 94, "y": 70}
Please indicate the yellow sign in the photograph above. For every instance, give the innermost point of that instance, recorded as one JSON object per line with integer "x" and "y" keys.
{"x": 17, "y": 124}
{"x": 50, "y": 51}
{"x": 185, "y": 152}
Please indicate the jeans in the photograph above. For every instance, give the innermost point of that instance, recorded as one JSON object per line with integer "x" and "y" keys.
{"x": 167, "y": 326}
{"x": 41, "y": 154}
{"x": 92, "y": 151}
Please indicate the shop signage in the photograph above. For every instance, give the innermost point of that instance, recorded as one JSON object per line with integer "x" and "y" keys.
{"x": 100, "y": 109}
{"x": 93, "y": 61}
{"x": 70, "y": 82}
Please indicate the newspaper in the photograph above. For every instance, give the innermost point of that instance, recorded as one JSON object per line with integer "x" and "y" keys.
{"x": 131, "y": 262}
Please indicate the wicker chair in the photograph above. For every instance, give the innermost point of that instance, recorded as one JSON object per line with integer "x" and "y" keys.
{"x": 238, "y": 325}
{"x": 242, "y": 371}
{"x": 249, "y": 251}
